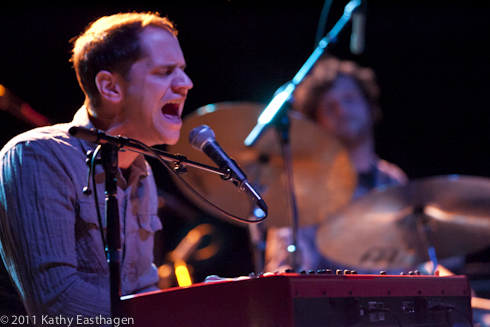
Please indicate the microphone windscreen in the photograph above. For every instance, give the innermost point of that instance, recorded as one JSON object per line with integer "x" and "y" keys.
{"x": 200, "y": 135}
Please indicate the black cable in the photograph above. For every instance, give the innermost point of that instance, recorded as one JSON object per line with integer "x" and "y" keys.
{"x": 447, "y": 309}
{"x": 94, "y": 186}
{"x": 167, "y": 165}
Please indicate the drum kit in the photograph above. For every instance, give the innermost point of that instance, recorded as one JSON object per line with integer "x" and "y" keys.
{"x": 389, "y": 228}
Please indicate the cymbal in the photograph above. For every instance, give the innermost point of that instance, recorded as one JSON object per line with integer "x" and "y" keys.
{"x": 324, "y": 179}
{"x": 385, "y": 228}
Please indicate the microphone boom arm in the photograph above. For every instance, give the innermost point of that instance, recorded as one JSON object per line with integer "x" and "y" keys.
{"x": 267, "y": 116}
{"x": 124, "y": 143}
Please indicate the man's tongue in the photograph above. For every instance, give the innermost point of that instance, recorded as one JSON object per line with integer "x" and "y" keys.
{"x": 171, "y": 109}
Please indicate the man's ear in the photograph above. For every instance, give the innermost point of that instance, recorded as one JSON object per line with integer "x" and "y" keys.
{"x": 109, "y": 86}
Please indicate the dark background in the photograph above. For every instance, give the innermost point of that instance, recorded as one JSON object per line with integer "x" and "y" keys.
{"x": 431, "y": 61}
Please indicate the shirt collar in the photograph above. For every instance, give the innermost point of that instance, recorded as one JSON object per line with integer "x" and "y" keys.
{"x": 82, "y": 118}
{"x": 139, "y": 169}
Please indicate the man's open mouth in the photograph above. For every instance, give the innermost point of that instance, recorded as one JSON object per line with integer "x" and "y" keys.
{"x": 171, "y": 109}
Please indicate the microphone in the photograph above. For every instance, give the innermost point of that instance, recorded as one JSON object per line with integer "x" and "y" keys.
{"x": 358, "y": 29}
{"x": 202, "y": 138}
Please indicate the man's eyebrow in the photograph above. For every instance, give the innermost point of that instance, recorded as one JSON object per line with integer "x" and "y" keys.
{"x": 171, "y": 65}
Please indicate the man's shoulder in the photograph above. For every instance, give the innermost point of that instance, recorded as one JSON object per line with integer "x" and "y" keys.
{"x": 41, "y": 138}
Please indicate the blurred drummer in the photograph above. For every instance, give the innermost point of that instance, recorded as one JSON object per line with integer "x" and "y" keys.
{"x": 342, "y": 98}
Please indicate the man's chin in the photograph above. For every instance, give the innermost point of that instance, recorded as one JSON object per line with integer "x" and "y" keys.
{"x": 170, "y": 138}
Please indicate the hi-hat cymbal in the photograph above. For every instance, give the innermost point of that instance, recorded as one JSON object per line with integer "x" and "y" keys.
{"x": 385, "y": 228}
{"x": 323, "y": 175}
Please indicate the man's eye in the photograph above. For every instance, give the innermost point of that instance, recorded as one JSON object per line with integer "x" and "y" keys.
{"x": 165, "y": 72}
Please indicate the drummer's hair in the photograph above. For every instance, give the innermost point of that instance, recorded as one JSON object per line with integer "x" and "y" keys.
{"x": 111, "y": 43}
{"x": 321, "y": 78}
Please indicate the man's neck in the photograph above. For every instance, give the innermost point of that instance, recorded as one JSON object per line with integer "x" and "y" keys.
{"x": 103, "y": 119}
{"x": 362, "y": 156}
{"x": 126, "y": 158}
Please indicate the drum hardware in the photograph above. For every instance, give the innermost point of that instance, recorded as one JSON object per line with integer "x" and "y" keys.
{"x": 324, "y": 178}
{"x": 176, "y": 265}
{"x": 276, "y": 115}
{"x": 386, "y": 228}
{"x": 314, "y": 154}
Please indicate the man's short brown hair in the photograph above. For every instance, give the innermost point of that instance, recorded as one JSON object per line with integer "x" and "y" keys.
{"x": 111, "y": 43}
{"x": 308, "y": 93}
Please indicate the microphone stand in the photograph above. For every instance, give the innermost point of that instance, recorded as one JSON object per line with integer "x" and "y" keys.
{"x": 109, "y": 160}
{"x": 96, "y": 136}
{"x": 283, "y": 128}
{"x": 110, "y": 145}
{"x": 181, "y": 163}
{"x": 274, "y": 114}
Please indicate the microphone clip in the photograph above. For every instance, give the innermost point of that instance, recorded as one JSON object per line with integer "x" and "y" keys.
{"x": 91, "y": 161}
{"x": 179, "y": 165}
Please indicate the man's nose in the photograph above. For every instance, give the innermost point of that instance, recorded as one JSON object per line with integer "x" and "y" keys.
{"x": 335, "y": 107}
{"x": 182, "y": 83}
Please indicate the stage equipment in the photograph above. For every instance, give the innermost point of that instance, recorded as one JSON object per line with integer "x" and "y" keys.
{"x": 324, "y": 177}
{"x": 275, "y": 115}
{"x": 400, "y": 227}
{"x": 179, "y": 256}
{"x": 109, "y": 147}
{"x": 202, "y": 138}
{"x": 20, "y": 109}
{"x": 316, "y": 299}
{"x": 180, "y": 162}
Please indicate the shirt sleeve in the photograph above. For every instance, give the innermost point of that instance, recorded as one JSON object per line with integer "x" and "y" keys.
{"x": 37, "y": 234}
